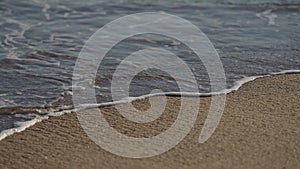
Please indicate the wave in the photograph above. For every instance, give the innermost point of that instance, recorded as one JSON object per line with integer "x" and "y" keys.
{"x": 21, "y": 126}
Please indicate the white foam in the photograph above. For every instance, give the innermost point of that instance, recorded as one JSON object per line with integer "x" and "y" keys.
{"x": 9, "y": 38}
{"x": 53, "y": 113}
{"x": 22, "y": 126}
{"x": 269, "y": 15}
{"x": 6, "y": 102}
{"x": 45, "y": 11}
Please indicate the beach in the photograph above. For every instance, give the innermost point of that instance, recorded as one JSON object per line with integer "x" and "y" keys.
{"x": 59, "y": 60}
{"x": 259, "y": 129}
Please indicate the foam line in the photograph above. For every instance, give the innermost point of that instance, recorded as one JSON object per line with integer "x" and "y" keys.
{"x": 23, "y": 125}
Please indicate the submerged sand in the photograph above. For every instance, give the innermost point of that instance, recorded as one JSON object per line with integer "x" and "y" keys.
{"x": 260, "y": 128}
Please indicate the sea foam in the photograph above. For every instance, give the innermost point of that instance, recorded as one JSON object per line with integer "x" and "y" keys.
{"x": 21, "y": 126}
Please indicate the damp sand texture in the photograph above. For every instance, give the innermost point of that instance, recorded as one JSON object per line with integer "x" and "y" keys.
{"x": 260, "y": 128}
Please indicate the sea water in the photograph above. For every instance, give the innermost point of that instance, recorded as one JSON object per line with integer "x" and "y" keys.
{"x": 40, "y": 41}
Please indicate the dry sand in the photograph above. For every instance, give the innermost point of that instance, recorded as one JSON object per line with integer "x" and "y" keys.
{"x": 260, "y": 128}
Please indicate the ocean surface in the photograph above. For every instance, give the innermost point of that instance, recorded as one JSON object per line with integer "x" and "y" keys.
{"x": 40, "y": 41}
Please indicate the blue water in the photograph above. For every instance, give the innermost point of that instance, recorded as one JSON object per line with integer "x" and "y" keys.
{"x": 40, "y": 41}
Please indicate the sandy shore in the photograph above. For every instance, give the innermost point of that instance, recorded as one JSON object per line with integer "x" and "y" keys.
{"x": 260, "y": 128}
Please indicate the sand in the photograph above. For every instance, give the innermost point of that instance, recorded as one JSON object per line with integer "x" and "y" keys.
{"x": 260, "y": 128}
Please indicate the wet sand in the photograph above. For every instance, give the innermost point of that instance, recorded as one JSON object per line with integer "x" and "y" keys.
{"x": 260, "y": 128}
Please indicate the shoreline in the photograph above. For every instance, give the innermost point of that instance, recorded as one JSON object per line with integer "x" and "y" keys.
{"x": 259, "y": 129}
{"x": 238, "y": 84}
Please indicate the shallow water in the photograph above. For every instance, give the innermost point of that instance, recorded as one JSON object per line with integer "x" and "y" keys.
{"x": 40, "y": 41}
